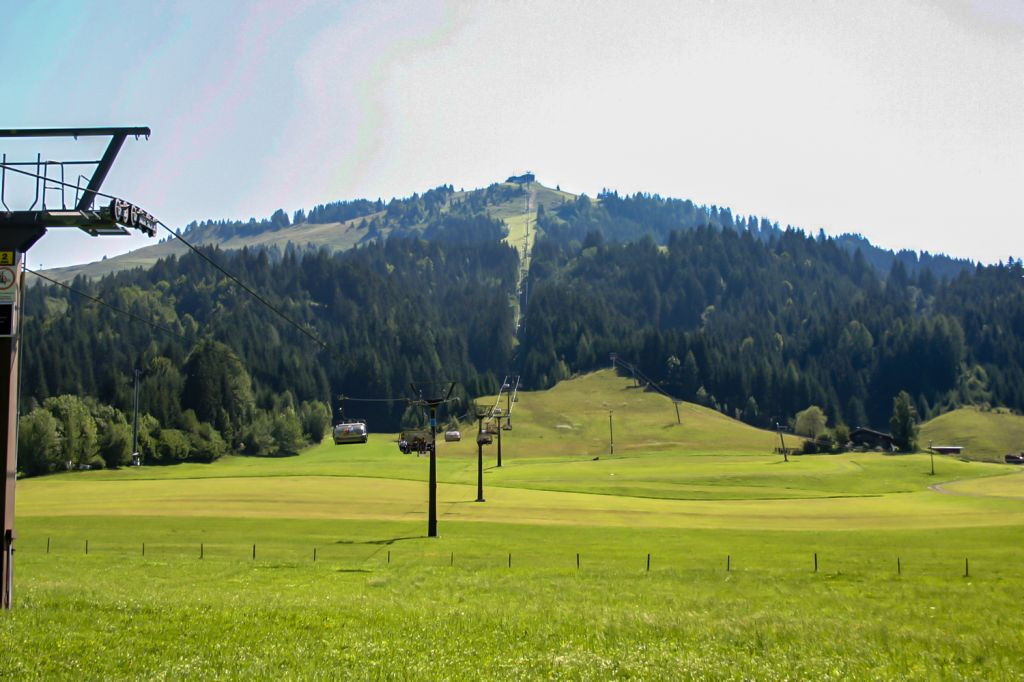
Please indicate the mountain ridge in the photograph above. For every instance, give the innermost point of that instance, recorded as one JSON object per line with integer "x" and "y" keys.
{"x": 361, "y": 220}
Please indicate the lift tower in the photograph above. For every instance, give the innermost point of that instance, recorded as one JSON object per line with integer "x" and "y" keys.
{"x": 19, "y": 230}
{"x": 432, "y": 395}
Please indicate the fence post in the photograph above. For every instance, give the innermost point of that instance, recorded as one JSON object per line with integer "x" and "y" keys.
{"x": 815, "y": 562}
{"x": 510, "y": 559}
{"x": 314, "y": 554}
{"x": 899, "y": 567}
{"x": 143, "y": 549}
{"x": 86, "y": 546}
{"x": 648, "y": 562}
{"x": 967, "y": 567}
{"x": 254, "y": 551}
{"x": 728, "y": 563}
{"x": 202, "y": 550}
{"x": 47, "y": 544}
{"x": 577, "y": 561}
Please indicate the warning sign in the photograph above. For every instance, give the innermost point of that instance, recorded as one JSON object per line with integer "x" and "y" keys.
{"x": 6, "y": 258}
{"x": 7, "y": 277}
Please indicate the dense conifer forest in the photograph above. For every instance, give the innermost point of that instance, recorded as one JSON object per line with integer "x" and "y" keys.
{"x": 735, "y": 313}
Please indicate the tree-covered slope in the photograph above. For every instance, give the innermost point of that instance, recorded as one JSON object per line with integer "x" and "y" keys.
{"x": 761, "y": 324}
{"x": 729, "y": 312}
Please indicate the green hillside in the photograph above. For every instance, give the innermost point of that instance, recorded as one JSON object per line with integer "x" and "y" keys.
{"x": 708, "y": 471}
{"x": 572, "y": 419}
{"x": 984, "y": 436}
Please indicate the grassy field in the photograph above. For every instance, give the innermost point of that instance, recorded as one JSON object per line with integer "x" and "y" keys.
{"x": 828, "y": 567}
{"x": 984, "y": 436}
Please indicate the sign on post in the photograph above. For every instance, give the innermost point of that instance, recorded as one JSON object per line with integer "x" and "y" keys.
{"x": 8, "y": 293}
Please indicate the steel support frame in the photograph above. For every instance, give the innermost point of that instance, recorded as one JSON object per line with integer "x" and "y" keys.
{"x": 17, "y": 240}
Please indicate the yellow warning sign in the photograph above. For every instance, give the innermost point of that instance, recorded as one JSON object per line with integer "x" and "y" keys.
{"x": 6, "y": 258}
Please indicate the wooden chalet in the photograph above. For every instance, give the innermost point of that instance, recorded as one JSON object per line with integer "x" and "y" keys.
{"x": 869, "y": 438}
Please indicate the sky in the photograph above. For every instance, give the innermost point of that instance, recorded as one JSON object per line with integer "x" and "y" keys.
{"x": 902, "y": 120}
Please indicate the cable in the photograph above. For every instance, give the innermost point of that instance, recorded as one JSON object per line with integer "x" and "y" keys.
{"x": 650, "y": 382}
{"x": 316, "y": 339}
{"x": 112, "y": 307}
{"x": 378, "y": 400}
{"x": 303, "y": 330}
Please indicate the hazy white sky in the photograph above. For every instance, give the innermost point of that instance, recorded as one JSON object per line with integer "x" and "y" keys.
{"x": 902, "y": 120}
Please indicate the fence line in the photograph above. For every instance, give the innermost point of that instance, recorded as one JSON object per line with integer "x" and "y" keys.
{"x": 480, "y": 561}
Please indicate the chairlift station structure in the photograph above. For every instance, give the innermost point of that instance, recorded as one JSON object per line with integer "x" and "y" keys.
{"x": 19, "y": 230}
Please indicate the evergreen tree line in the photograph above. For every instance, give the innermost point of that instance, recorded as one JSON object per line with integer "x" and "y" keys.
{"x": 390, "y": 313}
{"x": 728, "y": 311}
{"x": 761, "y": 325}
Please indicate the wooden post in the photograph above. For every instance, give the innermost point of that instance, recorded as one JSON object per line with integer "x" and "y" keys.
{"x": 577, "y": 561}
{"x": 815, "y": 562}
{"x": 510, "y": 559}
{"x": 967, "y": 568}
{"x": 389, "y": 557}
{"x": 47, "y": 544}
{"x": 728, "y": 563}
{"x": 314, "y": 554}
{"x": 254, "y": 551}
{"x": 143, "y": 549}
{"x": 648, "y": 563}
{"x": 899, "y": 567}
{"x": 86, "y": 546}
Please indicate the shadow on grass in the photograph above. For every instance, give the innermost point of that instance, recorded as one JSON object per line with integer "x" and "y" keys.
{"x": 388, "y": 541}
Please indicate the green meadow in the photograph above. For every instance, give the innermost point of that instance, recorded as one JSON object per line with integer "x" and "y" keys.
{"x": 691, "y": 552}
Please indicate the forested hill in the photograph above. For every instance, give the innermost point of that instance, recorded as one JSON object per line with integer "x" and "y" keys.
{"x": 761, "y": 323}
{"x": 737, "y": 314}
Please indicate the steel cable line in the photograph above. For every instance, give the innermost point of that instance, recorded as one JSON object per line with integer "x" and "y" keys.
{"x": 303, "y": 330}
{"x": 315, "y": 338}
{"x": 108, "y": 305}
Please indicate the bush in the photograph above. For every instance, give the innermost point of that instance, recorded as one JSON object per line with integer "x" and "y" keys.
{"x": 173, "y": 446}
{"x": 316, "y": 419}
{"x": 207, "y": 443}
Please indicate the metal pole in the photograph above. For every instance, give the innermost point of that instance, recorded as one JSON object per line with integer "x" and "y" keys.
{"x": 432, "y": 512}
{"x": 15, "y": 243}
{"x": 611, "y": 435}
{"x": 479, "y": 461}
{"x": 135, "y": 425}
{"x": 499, "y": 440}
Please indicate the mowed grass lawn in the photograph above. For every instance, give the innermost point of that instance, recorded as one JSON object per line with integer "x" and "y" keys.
{"x": 827, "y": 567}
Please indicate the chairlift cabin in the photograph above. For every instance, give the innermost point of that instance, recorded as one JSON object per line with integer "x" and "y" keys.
{"x": 413, "y": 440}
{"x": 350, "y": 432}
